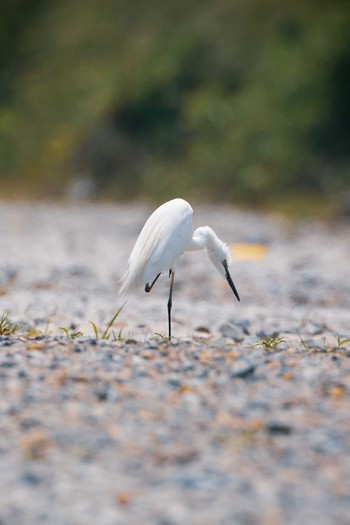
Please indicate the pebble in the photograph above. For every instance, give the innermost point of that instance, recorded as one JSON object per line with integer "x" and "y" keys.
{"x": 29, "y": 478}
{"x": 278, "y": 428}
{"x": 244, "y": 372}
{"x": 234, "y": 332}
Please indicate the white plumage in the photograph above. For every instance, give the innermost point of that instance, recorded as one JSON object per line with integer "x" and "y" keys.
{"x": 165, "y": 236}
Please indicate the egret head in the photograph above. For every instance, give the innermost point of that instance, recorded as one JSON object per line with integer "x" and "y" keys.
{"x": 219, "y": 255}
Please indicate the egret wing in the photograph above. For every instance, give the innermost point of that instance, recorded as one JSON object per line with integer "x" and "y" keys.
{"x": 162, "y": 240}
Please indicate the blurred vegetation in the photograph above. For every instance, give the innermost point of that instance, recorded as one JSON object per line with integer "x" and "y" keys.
{"x": 238, "y": 101}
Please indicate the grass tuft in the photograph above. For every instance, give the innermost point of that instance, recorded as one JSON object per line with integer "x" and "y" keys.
{"x": 270, "y": 343}
{"x": 71, "y": 334}
{"x": 108, "y": 332}
{"x": 6, "y": 325}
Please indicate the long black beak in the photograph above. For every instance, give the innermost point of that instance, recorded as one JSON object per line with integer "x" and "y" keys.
{"x": 229, "y": 280}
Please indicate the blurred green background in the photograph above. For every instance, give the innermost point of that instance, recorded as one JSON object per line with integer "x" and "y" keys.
{"x": 245, "y": 102}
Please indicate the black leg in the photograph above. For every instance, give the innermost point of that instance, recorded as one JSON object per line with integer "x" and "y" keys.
{"x": 170, "y": 302}
{"x": 148, "y": 288}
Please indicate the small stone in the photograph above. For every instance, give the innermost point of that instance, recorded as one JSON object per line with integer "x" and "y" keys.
{"x": 29, "y": 422}
{"x": 174, "y": 383}
{"x": 151, "y": 346}
{"x": 244, "y": 324}
{"x": 202, "y": 329}
{"x": 278, "y": 428}
{"x": 146, "y": 354}
{"x": 102, "y": 394}
{"x": 35, "y": 445}
{"x": 263, "y": 334}
{"x": 142, "y": 373}
{"x": 234, "y": 332}
{"x": 244, "y": 372}
{"x": 8, "y": 364}
{"x": 8, "y": 342}
{"x": 29, "y": 478}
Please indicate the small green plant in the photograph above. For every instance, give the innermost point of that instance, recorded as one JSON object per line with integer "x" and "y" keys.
{"x": 162, "y": 337}
{"x": 33, "y": 332}
{"x": 118, "y": 337}
{"x": 71, "y": 334}
{"x": 95, "y": 329}
{"x": 108, "y": 332}
{"x": 270, "y": 342}
{"x": 6, "y": 325}
{"x": 342, "y": 342}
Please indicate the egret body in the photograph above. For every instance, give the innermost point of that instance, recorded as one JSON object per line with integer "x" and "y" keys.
{"x": 166, "y": 235}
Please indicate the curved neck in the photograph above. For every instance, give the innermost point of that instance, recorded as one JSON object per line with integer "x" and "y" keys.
{"x": 203, "y": 237}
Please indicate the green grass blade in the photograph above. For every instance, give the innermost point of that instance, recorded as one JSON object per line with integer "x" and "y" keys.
{"x": 106, "y": 333}
{"x": 95, "y": 329}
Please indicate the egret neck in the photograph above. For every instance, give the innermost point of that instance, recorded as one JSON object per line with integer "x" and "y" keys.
{"x": 218, "y": 251}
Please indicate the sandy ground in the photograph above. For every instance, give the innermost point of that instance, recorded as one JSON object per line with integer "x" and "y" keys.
{"x": 242, "y": 419}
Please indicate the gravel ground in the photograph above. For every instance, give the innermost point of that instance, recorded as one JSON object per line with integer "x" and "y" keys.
{"x": 243, "y": 419}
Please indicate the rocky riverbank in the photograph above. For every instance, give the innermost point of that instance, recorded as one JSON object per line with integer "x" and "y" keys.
{"x": 242, "y": 419}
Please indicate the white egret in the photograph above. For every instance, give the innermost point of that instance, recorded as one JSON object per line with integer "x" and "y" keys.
{"x": 166, "y": 235}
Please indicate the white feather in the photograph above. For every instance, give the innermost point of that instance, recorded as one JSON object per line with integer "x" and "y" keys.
{"x": 162, "y": 240}
{"x": 165, "y": 236}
